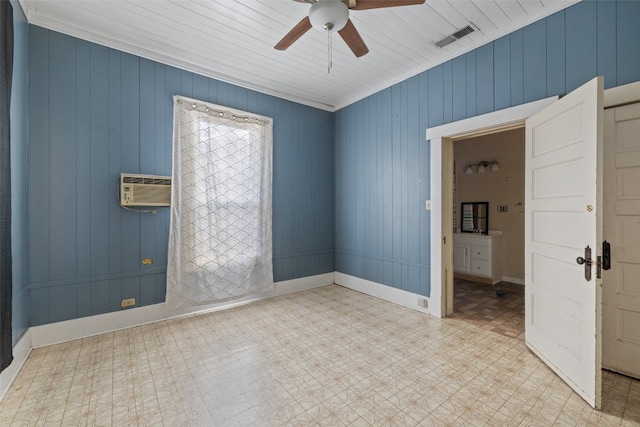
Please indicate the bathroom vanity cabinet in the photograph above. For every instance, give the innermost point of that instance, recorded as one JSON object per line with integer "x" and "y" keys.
{"x": 477, "y": 257}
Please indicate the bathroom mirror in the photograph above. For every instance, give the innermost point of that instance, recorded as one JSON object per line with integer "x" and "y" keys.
{"x": 475, "y": 217}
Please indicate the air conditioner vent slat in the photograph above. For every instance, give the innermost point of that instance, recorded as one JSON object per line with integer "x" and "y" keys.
{"x": 129, "y": 179}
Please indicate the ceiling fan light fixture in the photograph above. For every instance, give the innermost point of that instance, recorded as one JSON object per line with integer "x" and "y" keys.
{"x": 330, "y": 15}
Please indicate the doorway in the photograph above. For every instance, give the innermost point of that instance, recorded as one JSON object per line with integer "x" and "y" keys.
{"x": 441, "y": 161}
{"x": 489, "y": 293}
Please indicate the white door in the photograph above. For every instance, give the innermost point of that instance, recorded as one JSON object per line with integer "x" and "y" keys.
{"x": 562, "y": 217}
{"x": 621, "y": 284}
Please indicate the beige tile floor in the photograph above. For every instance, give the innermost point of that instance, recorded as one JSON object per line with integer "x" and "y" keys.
{"x": 328, "y": 356}
{"x": 478, "y": 303}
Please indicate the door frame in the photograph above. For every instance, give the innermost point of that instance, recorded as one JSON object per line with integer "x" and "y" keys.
{"x": 615, "y": 97}
{"x": 441, "y": 139}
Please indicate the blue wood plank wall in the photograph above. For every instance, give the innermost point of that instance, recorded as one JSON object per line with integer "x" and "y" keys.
{"x": 382, "y": 159}
{"x": 96, "y": 112}
{"x": 19, "y": 200}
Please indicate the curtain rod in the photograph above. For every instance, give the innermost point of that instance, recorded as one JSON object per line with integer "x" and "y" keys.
{"x": 221, "y": 111}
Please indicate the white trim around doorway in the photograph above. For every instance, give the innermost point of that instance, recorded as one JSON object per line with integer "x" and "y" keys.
{"x": 441, "y": 140}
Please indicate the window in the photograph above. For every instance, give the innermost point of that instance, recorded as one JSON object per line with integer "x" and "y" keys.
{"x": 221, "y": 206}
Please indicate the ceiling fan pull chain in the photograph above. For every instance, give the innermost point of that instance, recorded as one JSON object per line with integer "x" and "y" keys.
{"x": 330, "y": 51}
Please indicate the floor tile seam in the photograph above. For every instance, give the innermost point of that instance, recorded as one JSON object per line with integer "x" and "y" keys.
{"x": 566, "y": 402}
{"x": 26, "y": 388}
{"x": 628, "y": 408}
{"x": 450, "y": 395}
{"x": 344, "y": 405}
{"x": 155, "y": 395}
{"x": 353, "y": 386}
{"x": 13, "y": 416}
{"x": 504, "y": 401}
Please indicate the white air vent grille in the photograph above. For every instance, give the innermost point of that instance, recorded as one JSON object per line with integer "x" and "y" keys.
{"x": 145, "y": 190}
{"x": 445, "y": 41}
{"x": 462, "y": 32}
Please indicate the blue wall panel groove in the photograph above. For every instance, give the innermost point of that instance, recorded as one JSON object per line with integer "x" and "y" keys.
{"x": 516, "y": 56}
{"x": 549, "y": 57}
{"x": 607, "y": 54}
{"x": 459, "y": 92}
{"x": 19, "y": 152}
{"x": 436, "y": 96}
{"x": 447, "y": 91}
{"x": 627, "y": 56}
{"x": 502, "y": 73}
{"x": 484, "y": 70}
{"x": 581, "y": 44}
{"x": 114, "y": 142}
{"x": 99, "y": 178}
{"x": 83, "y": 161}
{"x": 535, "y": 61}
{"x": 471, "y": 84}
{"x": 556, "y": 54}
{"x": 96, "y": 112}
{"x": 38, "y": 105}
{"x": 62, "y": 153}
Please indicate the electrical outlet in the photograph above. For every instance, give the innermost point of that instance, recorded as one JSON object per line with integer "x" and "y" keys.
{"x": 422, "y": 302}
{"x": 128, "y": 302}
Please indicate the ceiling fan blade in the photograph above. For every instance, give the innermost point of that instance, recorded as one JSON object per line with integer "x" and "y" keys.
{"x": 295, "y": 33}
{"x": 352, "y": 38}
{"x": 378, "y": 4}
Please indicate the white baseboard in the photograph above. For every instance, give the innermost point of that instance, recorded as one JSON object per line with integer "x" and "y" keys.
{"x": 387, "y": 293}
{"x": 20, "y": 353}
{"x": 54, "y": 333}
{"x": 513, "y": 280}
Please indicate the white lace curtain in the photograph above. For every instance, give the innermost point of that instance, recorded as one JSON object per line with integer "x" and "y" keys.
{"x": 220, "y": 233}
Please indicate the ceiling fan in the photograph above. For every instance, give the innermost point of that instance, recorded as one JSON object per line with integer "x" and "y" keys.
{"x": 333, "y": 15}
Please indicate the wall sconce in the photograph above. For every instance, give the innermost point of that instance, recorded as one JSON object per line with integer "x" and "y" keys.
{"x": 482, "y": 167}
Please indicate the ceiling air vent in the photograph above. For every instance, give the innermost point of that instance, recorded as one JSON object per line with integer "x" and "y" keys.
{"x": 456, "y": 35}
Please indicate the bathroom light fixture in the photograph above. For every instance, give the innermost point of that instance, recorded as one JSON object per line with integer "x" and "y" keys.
{"x": 482, "y": 167}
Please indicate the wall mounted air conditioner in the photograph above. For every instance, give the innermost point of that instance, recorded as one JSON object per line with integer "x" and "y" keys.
{"x": 145, "y": 190}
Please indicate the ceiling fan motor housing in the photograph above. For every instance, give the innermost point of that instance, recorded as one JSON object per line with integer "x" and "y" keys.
{"x": 329, "y": 15}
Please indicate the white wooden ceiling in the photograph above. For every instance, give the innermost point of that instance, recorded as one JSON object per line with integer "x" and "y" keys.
{"x": 232, "y": 40}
